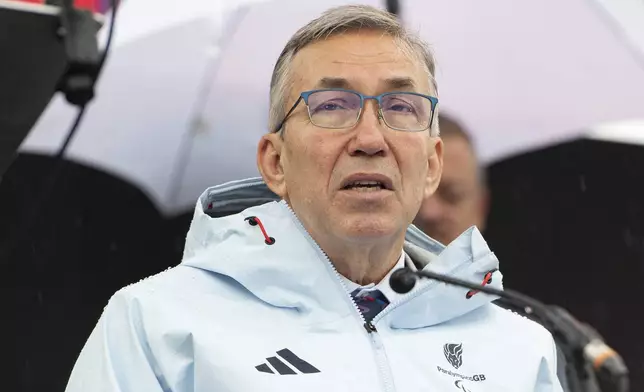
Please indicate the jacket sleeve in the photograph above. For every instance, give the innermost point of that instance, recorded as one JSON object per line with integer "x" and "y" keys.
{"x": 116, "y": 357}
{"x": 547, "y": 380}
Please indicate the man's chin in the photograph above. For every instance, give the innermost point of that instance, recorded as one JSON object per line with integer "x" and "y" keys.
{"x": 368, "y": 229}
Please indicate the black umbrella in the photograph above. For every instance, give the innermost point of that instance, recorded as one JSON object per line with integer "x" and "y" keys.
{"x": 95, "y": 234}
{"x": 567, "y": 223}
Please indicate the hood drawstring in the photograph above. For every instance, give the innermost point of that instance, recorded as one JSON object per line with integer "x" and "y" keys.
{"x": 254, "y": 221}
{"x": 486, "y": 280}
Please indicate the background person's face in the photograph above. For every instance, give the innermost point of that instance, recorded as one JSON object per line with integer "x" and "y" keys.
{"x": 460, "y": 201}
{"x": 316, "y": 162}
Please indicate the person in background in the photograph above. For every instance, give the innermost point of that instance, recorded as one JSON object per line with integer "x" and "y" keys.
{"x": 462, "y": 198}
{"x": 291, "y": 292}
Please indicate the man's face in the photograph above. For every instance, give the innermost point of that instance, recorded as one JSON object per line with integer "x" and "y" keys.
{"x": 312, "y": 165}
{"x": 460, "y": 201}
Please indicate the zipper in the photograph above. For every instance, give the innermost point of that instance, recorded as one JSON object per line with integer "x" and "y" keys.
{"x": 367, "y": 325}
{"x": 370, "y": 326}
{"x": 376, "y": 342}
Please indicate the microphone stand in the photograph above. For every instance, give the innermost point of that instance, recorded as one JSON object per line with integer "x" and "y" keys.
{"x": 611, "y": 371}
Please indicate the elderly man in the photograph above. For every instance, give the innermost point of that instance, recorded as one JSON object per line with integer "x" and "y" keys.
{"x": 292, "y": 294}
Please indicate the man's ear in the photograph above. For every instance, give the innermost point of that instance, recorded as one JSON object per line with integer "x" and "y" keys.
{"x": 435, "y": 166}
{"x": 270, "y": 163}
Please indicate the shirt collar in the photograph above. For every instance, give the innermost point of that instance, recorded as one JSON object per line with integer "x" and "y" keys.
{"x": 383, "y": 285}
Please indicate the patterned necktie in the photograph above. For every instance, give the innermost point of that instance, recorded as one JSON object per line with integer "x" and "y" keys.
{"x": 370, "y": 302}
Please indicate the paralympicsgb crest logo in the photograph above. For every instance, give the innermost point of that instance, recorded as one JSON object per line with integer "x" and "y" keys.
{"x": 454, "y": 354}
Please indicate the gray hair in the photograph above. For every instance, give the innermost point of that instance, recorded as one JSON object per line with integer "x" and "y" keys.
{"x": 336, "y": 21}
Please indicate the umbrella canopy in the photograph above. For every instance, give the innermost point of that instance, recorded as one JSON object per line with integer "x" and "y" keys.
{"x": 626, "y": 16}
{"x": 184, "y": 98}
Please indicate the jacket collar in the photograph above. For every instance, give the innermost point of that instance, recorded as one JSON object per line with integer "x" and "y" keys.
{"x": 295, "y": 273}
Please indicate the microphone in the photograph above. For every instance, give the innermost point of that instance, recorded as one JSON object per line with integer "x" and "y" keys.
{"x": 608, "y": 366}
{"x": 585, "y": 343}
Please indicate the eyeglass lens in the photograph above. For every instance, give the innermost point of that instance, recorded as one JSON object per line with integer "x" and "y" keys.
{"x": 341, "y": 109}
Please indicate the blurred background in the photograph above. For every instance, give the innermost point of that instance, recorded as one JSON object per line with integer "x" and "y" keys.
{"x": 552, "y": 93}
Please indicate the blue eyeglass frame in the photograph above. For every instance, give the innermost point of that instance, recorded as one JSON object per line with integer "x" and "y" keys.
{"x": 304, "y": 96}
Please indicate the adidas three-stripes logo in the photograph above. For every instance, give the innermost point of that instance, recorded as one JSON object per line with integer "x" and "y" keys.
{"x": 282, "y": 368}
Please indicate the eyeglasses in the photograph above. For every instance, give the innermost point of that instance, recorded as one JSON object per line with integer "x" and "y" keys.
{"x": 340, "y": 108}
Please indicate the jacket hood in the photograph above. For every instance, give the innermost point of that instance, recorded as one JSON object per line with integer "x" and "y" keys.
{"x": 293, "y": 272}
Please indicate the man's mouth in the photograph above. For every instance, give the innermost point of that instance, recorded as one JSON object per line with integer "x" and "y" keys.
{"x": 365, "y": 185}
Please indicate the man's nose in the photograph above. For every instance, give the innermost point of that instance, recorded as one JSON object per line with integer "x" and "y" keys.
{"x": 369, "y": 138}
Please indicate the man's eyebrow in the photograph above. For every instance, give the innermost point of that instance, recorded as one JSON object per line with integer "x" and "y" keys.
{"x": 400, "y": 83}
{"x": 395, "y": 83}
{"x": 329, "y": 82}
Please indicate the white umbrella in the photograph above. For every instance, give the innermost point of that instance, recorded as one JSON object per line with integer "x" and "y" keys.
{"x": 182, "y": 104}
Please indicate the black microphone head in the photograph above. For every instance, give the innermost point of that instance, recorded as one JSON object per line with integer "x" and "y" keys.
{"x": 402, "y": 280}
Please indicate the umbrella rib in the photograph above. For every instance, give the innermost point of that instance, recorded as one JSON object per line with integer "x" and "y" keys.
{"x": 620, "y": 33}
{"x": 181, "y": 163}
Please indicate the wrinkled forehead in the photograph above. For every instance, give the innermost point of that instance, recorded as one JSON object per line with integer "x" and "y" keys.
{"x": 369, "y": 62}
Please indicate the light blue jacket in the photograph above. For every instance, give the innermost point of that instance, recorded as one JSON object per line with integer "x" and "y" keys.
{"x": 241, "y": 315}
